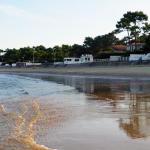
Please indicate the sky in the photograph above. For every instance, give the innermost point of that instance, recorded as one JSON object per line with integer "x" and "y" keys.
{"x": 56, "y": 22}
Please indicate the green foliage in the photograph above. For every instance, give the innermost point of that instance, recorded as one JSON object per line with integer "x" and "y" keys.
{"x": 146, "y": 28}
{"x": 147, "y": 46}
{"x": 11, "y": 56}
{"x": 77, "y": 50}
{"x": 134, "y": 23}
{"x": 25, "y": 54}
{"x": 99, "y": 44}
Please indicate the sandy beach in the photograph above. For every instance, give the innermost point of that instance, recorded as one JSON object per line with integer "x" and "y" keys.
{"x": 121, "y": 71}
{"x": 73, "y": 112}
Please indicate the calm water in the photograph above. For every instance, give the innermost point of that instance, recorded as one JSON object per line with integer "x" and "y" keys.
{"x": 74, "y": 113}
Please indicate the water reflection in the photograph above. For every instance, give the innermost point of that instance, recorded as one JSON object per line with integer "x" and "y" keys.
{"x": 92, "y": 85}
{"x": 136, "y": 126}
{"x": 129, "y": 99}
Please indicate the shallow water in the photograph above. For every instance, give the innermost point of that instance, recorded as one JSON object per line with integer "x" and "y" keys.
{"x": 70, "y": 113}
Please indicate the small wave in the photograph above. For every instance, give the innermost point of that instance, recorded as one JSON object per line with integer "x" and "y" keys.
{"x": 16, "y": 129}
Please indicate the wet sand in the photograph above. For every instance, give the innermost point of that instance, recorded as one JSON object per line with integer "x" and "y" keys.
{"x": 97, "y": 114}
{"x": 16, "y": 127}
{"x": 126, "y": 71}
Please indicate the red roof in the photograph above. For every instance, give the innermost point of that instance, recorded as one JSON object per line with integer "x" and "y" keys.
{"x": 119, "y": 47}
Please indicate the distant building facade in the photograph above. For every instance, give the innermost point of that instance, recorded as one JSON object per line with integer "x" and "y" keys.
{"x": 83, "y": 59}
{"x": 135, "y": 46}
{"x": 130, "y": 47}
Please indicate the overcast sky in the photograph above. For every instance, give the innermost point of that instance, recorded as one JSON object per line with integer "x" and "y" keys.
{"x": 56, "y": 22}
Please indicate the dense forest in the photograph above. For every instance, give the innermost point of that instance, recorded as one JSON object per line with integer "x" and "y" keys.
{"x": 134, "y": 24}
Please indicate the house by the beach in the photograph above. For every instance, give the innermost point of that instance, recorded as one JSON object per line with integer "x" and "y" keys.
{"x": 135, "y": 46}
{"x": 75, "y": 60}
{"x": 119, "y": 48}
{"x": 129, "y": 47}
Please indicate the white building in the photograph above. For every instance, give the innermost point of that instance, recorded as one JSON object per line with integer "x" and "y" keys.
{"x": 136, "y": 57}
{"x": 14, "y": 65}
{"x": 83, "y": 59}
{"x": 146, "y": 57}
{"x": 115, "y": 58}
{"x": 135, "y": 46}
{"x": 27, "y": 64}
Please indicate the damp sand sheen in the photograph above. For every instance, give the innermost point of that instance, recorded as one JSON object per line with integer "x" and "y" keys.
{"x": 73, "y": 113}
{"x": 16, "y": 128}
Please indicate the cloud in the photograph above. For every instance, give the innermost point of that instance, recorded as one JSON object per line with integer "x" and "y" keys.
{"x": 14, "y": 11}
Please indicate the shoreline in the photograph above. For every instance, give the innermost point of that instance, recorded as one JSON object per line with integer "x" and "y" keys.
{"x": 112, "y": 72}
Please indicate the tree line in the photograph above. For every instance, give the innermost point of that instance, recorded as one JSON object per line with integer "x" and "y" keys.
{"x": 135, "y": 24}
